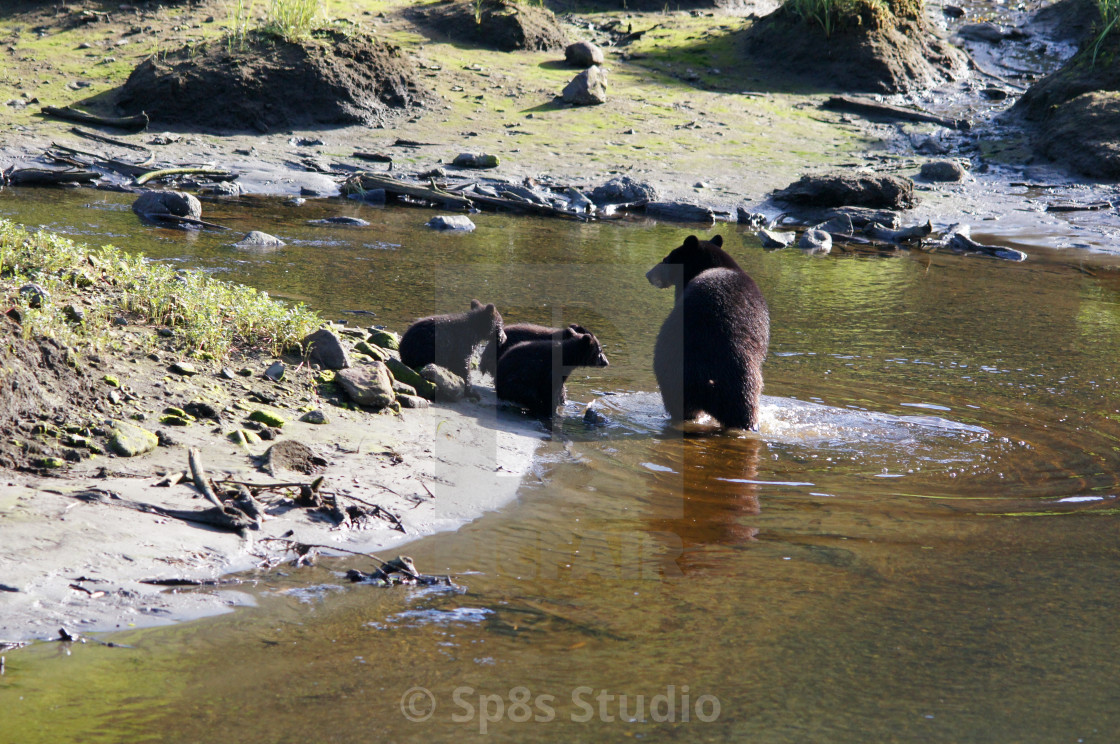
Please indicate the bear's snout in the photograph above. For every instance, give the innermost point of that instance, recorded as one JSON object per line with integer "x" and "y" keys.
{"x": 602, "y": 360}
{"x": 659, "y": 277}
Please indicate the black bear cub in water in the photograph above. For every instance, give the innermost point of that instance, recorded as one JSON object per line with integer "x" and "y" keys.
{"x": 449, "y": 340}
{"x": 533, "y": 373}
{"x": 515, "y": 334}
{"x": 709, "y": 353}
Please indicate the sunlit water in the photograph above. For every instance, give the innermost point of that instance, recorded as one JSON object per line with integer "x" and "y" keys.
{"x": 920, "y": 543}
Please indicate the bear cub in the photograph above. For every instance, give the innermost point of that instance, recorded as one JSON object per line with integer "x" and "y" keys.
{"x": 515, "y": 334}
{"x": 450, "y": 340}
{"x": 532, "y": 373}
{"x": 709, "y": 353}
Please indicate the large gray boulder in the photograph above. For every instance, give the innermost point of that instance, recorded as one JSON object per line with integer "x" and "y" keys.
{"x": 589, "y": 88}
{"x": 583, "y": 54}
{"x": 324, "y": 347}
{"x": 174, "y": 203}
{"x": 368, "y": 385}
{"x": 624, "y": 190}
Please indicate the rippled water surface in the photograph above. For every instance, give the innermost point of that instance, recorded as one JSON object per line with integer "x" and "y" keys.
{"x": 920, "y": 544}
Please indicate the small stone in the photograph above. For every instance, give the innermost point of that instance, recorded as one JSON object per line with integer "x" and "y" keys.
{"x": 127, "y": 440}
{"x": 449, "y": 386}
{"x": 401, "y": 388}
{"x": 942, "y": 170}
{"x": 275, "y": 372}
{"x": 475, "y": 160}
{"x": 114, "y": 397}
{"x": 183, "y": 368}
{"x": 245, "y": 372}
{"x": 227, "y": 373}
{"x": 111, "y": 381}
{"x": 74, "y": 314}
{"x": 315, "y": 417}
{"x": 51, "y": 462}
{"x": 165, "y": 332}
{"x": 36, "y": 296}
{"x": 775, "y": 239}
{"x": 384, "y": 339}
{"x": 412, "y": 401}
{"x": 267, "y": 418}
{"x": 374, "y": 352}
{"x": 815, "y": 241}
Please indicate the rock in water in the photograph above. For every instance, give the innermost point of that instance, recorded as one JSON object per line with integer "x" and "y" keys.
{"x": 815, "y": 241}
{"x": 368, "y": 385}
{"x": 168, "y": 202}
{"x": 258, "y": 239}
{"x": 583, "y": 54}
{"x": 324, "y": 347}
{"x": 589, "y": 88}
{"x": 458, "y": 222}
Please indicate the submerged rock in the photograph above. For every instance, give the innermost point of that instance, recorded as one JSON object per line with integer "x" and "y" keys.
{"x": 258, "y": 239}
{"x": 176, "y": 203}
{"x": 775, "y": 239}
{"x": 815, "y": 241}
{"x": 458, "y": 222}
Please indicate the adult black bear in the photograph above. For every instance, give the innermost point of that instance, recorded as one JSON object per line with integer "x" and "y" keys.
{"x": 515, "y": 334}
{"x": 710, "y": 349}
{"x": 449, "y": 340}
{"x": 533, "y": 373}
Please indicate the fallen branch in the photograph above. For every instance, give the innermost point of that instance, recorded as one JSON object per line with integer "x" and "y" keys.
{"x": 367, "y": 181}
{"x": 180, "y": 220}
{"x": 45, "y": 177}
{"x": 110, "y": 141}
{"x": 214, "y": 173}
{"x": 135, "y": 123}
{"x": 1094, "y": 207}
{"x": 201, "y": 482}
{"x": 867, "y": 107}
{"x": 129, "y": 169}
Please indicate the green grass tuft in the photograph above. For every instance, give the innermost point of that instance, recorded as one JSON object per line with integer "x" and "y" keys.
{"x": 206, "y": 315}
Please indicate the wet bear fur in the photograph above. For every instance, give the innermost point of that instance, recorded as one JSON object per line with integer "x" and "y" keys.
{"x": 710, "y": 350}
{"x": 450, "y": 340}
{"x": 532, "y": 373}
{"x": 515, "y": 334}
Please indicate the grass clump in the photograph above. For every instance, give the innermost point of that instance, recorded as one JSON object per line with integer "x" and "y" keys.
{"x": 293, "y": 20}
{"x": 1110, "y": 15}
{"x": 836, "y": 15}
{"x": 206, "y": 315}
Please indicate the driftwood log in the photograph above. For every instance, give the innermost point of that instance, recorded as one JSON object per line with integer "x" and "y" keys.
{"x": 868, "y": 107}
{"x": 136, "y": 123}
{"x": 46, "y": 177}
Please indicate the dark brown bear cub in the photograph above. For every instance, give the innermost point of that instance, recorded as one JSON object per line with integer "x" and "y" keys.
{"x": 710, "y": 349}
{"x": 533, "y": 373}
{"x": 449, "y": 340}
{"x": 515, "y": 334}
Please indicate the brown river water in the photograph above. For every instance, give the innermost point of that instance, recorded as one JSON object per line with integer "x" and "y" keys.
{"x": 921, "y": 544}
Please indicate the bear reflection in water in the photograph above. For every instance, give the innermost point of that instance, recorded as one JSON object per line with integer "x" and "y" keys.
{"x": 709, "y": 353}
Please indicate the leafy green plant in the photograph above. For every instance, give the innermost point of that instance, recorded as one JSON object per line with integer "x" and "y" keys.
{"x": 239, "y": 16}
{"x": 1110, "y": 15}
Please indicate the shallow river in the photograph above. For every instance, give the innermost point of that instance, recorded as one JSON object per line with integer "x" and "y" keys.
{"x": 920, "y": 545}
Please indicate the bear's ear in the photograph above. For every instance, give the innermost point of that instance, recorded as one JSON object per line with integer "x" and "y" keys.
{"x": 717, "y": 241}
{"x": 691, "y": 242}
{"x": 491, "y": 309}
{"x": 475, "y": 304}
